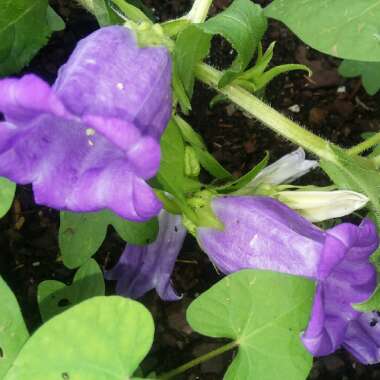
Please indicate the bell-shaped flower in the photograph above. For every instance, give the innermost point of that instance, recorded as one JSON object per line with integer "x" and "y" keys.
{"x": 263, "y": 233}
{"x": 142, "y": 268}
{"x": 285, "y": 170}
{"x": 318, "y": 206}
{"x": 91, "y": 140}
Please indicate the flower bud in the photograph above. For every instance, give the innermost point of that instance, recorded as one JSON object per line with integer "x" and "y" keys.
{"x": 318, "y": 206}
{"x": 285, "y": 170}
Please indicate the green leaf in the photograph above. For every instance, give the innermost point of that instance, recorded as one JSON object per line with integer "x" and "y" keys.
{"x": 369, "y": 71}
{"x": 357, "y": 174}
{"x": 373, "y": 303}
{"x": 24, "y": 29}
{"x": 54, "y": 297}
{"x": 104, "y": 338}
{"x": 264, "y": 313}
{"x": 256, "y": 78}
{"x": 207, "y": 161}
{"x": 345, "y": 29}
{"x": 242, "y": 24}
{"x": 103, "y": 13}
{"x": 179, "y": 93}
{"x": 131, "y": 11}
{"x": 172, "y": 168}
{"x": 241, "y": 182}
{"x": 54, "y": 20}
{"x": 7, "y": 194}
{"x": 13, "y": 332}
{"x": 262, "y": 80}
{"x": 81, "y": 234}
{"x": 192, "y": 46}
{"x": 173, "y": 27}
{"x": 375, "y": 150}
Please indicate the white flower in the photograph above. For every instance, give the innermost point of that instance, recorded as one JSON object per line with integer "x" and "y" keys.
{"x": 285, "y": 170}
{"x": 317, "y": 206}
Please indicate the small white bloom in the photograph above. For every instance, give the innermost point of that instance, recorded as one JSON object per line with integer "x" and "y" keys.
{"x": 285, "y": 170}
{"x": 317, "y": 206}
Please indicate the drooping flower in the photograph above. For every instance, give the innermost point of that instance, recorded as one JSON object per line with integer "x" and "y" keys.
{"x": 285, "y": 170}
{"x": 142, "y": 268}
{"x": 317, "y": 206}
{"x": 90, "y": 141}
{"x": 262, "y": 233}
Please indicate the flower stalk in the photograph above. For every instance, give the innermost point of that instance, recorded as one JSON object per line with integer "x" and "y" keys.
{"x": 198, "y": 360}
{"x": 266, "y": 114}
{"x": 199, "y": 11}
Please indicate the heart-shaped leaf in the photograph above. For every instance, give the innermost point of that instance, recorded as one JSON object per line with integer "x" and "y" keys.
{"x": 13, "y": 332}
{"x": 81, "y": 234}
{"x": 54, "y": 297}
{"x": 345, "y": 29}
{"x": 369, "y": 71}
{"x": 264, "y": 313}
{"x": 104, "y": 338}
{"x": 7, "y": 193}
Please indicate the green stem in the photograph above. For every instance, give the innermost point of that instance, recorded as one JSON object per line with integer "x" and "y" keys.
{"x": 198, "y": 360}
{"x": 199, "y": 11}
{"x": 266, "y": 114}
{"x": 365, "y": 145}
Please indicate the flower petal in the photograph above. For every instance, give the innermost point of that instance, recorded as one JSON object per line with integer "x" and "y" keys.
{"x": 87, "y": 144}
{"x": 133, "y": 83}
{"x": 363, "y": 338}
{"x": 261, "y": 233}
{"x": 22, "y": 100}
{"x": 285, "y": 170}
{"x": 142, "y": 268}
{"x": 345, "y": 277}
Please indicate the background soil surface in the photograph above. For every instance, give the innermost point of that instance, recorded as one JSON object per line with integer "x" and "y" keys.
{"x": 329, "y": 105}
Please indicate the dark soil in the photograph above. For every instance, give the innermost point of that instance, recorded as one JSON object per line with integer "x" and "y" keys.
{"x": 330, "y": 106}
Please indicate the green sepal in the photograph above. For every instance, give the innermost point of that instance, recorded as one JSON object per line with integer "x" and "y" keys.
{"x": 200, "y": 203}
{"x": 192, "y": 166}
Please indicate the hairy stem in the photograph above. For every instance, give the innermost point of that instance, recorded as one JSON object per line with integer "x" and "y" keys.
{"x": 365, "y": 145}
{"x": 266, "y": 114}
{"x": 198, "y": 360}
{"x": 199, "y": 11}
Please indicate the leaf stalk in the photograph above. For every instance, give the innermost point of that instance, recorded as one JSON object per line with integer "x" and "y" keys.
{"x": 199, "y": 11}
{"x": 365, "y": 145}
{"x": 192, "y": 363}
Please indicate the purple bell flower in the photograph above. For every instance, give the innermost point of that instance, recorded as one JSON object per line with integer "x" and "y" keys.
{"x": 262, "y": 233}
{"x": 142, "y": 268}
{"x": 90, "y": 141}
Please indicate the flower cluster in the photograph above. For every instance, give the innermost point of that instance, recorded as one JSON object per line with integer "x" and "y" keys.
{"x": 90, "y": 141}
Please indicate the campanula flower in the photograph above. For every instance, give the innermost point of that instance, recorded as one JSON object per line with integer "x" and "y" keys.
{"x": 262, "y": 233}
{"x": 91, "y": 140}
{"x": 318, "y": 206}
{"x": 285, "y": 170}
{"x": 142, "y": 268}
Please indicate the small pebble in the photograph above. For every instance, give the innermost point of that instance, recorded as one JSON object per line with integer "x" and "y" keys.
{"x": 295, "y": 108}
{"x": 341, "y": 89}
